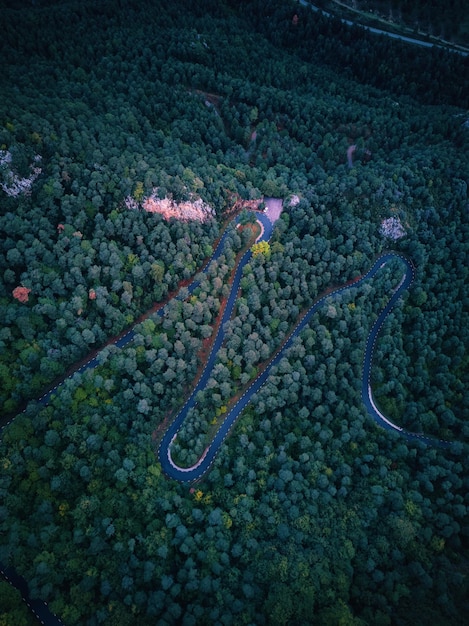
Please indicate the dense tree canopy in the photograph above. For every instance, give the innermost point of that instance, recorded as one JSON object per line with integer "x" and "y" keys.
{"x": 311, "y": 513}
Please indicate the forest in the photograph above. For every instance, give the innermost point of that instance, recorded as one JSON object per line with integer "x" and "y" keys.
{"x": 311, "y": 513}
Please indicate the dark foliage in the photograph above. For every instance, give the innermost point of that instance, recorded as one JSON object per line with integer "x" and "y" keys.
{"x": 311, "y": 513}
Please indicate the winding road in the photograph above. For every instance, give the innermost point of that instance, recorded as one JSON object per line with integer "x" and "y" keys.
{"x": 190, "y": 474}
{"x": 194, "y": 472}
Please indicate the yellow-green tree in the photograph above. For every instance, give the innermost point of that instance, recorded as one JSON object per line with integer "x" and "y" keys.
{"x": 139, "y": 191}
{"x": 262, "y": 248}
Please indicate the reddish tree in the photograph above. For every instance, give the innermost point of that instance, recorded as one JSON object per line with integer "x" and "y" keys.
{"x": 21, "y": 293}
